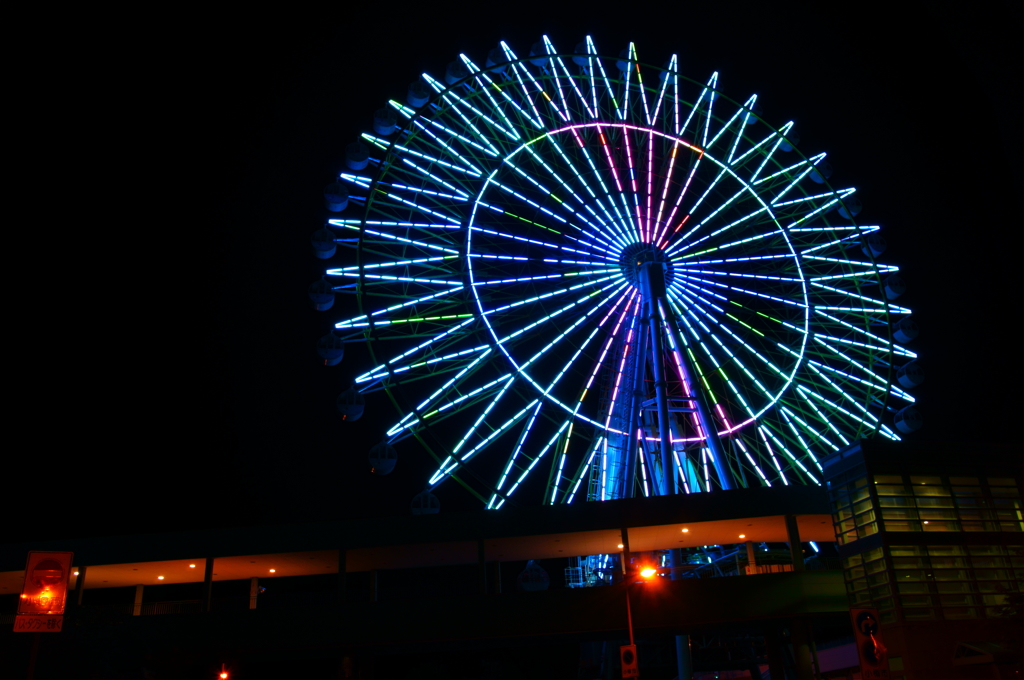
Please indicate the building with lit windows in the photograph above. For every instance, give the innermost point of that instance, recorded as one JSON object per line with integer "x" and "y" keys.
{"x": 934, "y": 538}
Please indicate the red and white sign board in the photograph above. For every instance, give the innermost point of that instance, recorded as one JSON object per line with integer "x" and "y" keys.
{"x": 44, "y": 595}
{"x": 874, "y": 658}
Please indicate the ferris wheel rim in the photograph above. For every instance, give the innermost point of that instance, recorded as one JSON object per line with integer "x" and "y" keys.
{"x": 392, "y": 152}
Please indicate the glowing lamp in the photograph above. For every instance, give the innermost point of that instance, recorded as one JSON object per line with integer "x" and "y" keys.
{"x": 743, "y": 535}
{"x": 273, "y": 570}
{"x": 620, "y": 545}
{"x": 686, "y": 531}
{"x": 648, "y": 572}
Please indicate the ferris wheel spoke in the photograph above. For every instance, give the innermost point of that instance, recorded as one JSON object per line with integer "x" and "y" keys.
{"x": 534, "y": 460}
{"x": 365, "y": 319}
{"x": 485, "y": 84}
{"x": 514, "y": 457}
{"x": 878, "y": 380}
{"x": 702, "y": 106}
{"x": 745, "y": 291}
{"x": 503, "y": 126}
{"x": 663, "y": 88}
{"x": 603, "y": 223}
{"x": 534, "y": 120}
{"x": 881, "y": 305}
{"x": 779, "y": 434}
{"x": 808, "y": 424}
{"x": 436, "y": 142}
{"x": 551, "y": 386}
{"x": 453, "y": 332}
{"x": 590, "y": 250}
{"x": 453, "y": 461}
{"x": 590, "y": 113}
{"x": 635, "y": 191}
{"x": 768, "y": 363}
{"x": 537, "y": 88}
{"x": 867, "y": 349}
{"x": 838, "y": 410}
{"x": 858, "y": 329}
{"x": 618, "y": 225}
{"x": 453, "y": 385}
{"x": 848, "y": 240}
{"x": 738, "y": 122}
{"x": 456, "y": 104}
{"x": 754, "y": 380}
{"x": 516, "y": 69}
{"x": 547, "y": 390}
{"x": 594, "y": 232}
{"x": 609, "y": 90}
{"x": 804, "y": 393}
{"x": 554, "y": 61}
{"x": 466, "y": 168}
{"x": 792, "y": 422}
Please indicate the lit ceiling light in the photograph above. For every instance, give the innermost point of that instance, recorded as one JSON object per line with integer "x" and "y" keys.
{"x": 76, "y": 573}
{"x": 686, "y": 531}
{"x": 620, "y": 545}
{"x": 648, "y": 572}
{"x": 273, "y": 570}
{"x": 191, "y": 566}
{"x": 926, "y": 521}
{"x": 159, "y": 578}
{"x": 743, "y": 535}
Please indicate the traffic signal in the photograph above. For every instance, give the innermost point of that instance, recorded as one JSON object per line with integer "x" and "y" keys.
{"x": 627, "y": 655}
{"x": 46, "y": 583}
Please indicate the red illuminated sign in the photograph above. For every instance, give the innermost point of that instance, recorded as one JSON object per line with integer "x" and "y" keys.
{"x": 41, "y": 607}
{"x": 874, "y": 658}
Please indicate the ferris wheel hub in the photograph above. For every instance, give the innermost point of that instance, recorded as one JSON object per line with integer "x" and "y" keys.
{"x": 637, "y": 255}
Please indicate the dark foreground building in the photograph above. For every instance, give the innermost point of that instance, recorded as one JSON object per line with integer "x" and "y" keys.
{"x": 934, "y": 538}
{"x": 758, "y": 592}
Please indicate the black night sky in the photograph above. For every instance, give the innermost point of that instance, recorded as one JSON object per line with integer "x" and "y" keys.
{"x": 179, "y": 370}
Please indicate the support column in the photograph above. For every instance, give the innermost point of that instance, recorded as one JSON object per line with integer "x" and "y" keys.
{"x": 342, "y": 576}
{"x": 637, "y": 396}
{"x": 684, "y": 658}
{"x": 652, "y": 284}
{"x": 776, "y": 664}
{"x": 800, "y": 637}
{"x": 80, "y": 585}
{"x": 494, "y": 576}
{"x": 626, "y": 555}
{"x": 707, "y": 422}
{"x": 795, "y": 550}
{"x": 481, "y": 567}
{"x": 137, "y": 609}
{"x": 208, "y": 585}
{"x": 254, "y": 591}
{"x": 751, "y": 558}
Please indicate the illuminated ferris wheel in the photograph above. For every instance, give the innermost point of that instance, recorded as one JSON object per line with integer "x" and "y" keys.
{"x": 584, "y": 277}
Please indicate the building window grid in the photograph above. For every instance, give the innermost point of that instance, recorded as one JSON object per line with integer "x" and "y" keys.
{"x": 963, "y": 583}
{"x": 944, "y": 504}
{"x": 932, "y": 582}
{"x": 853, "y": 510}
